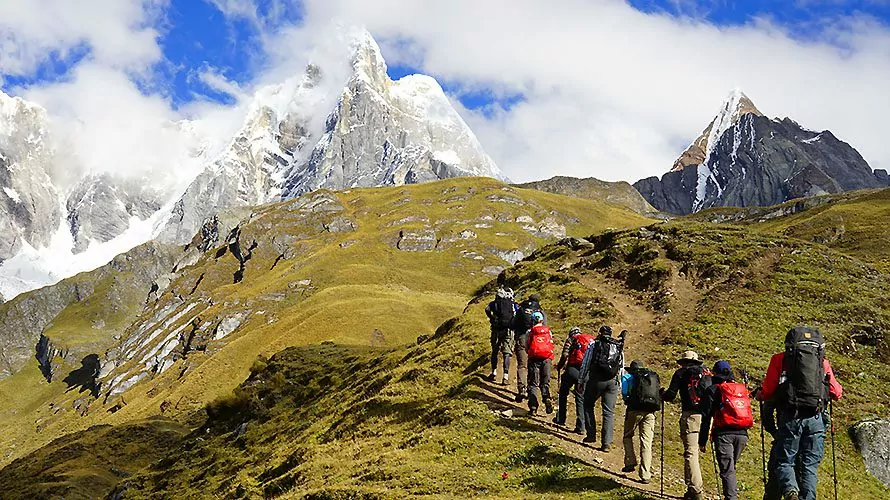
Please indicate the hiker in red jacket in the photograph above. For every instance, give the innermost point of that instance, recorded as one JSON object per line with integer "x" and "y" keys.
{"x": 799, "y": 383}
{"x": 540, "y": 357}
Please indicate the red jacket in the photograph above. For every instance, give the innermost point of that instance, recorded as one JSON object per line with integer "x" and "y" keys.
{"x": 774, "y": 372}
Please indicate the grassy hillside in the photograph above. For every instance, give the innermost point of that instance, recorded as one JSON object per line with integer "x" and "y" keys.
{"x": 325, "y": 267}
{"x": 619, "y": 194}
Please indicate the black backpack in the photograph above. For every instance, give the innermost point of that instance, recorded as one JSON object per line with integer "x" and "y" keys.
{"x": 698, "y": 378}
{"x": 606, "y": 356}
{"x": 504, "y": 312}
{"x": 645, "y": 391}
{"x": 803, "y": 372}
{"x": 524, "y": 320}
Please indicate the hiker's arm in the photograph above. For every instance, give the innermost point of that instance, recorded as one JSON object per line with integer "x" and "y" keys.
{"x": 771, "y": 381}
{"x": 706, "y": 411}
{"x": 563, "y": 358}
{"x": 673, "y": 389}
{"x": 835, "y": 390}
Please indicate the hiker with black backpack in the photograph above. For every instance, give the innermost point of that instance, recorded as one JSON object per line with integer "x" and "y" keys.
{"x": 501, "y": 314}
{"x": 523, "y": 324}
{"x": 573, "y": 351}
{"x": 540, "y": 357}
{"x": 690, "y": 381}
{"x": 641, "y": 392}
{"x": 801, "y": 384}
{"x": 599, "y": 372}
{"x": 728, "y": 404}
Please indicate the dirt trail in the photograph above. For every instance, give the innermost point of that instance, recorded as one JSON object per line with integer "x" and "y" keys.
{"x": 642, "y": 324}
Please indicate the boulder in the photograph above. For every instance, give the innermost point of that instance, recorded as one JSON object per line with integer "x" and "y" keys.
{"x": 872, "y": 439}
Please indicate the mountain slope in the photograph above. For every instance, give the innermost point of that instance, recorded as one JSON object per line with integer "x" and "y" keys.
{"x": 751, "y": 160}
{"x": 616, "y": 193}
{"x": 325, "y": 266}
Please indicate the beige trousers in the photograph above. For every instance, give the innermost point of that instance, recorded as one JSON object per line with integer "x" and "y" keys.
{"x": 641, "y": 424}
{"x": 690, "y": 424}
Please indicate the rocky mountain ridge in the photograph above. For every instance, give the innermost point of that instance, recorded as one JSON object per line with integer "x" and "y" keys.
{"x": 745, "y": 159}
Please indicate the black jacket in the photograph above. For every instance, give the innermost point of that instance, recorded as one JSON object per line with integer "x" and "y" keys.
{"x": 679, "y": 383}
{"x": 710, "y": 403}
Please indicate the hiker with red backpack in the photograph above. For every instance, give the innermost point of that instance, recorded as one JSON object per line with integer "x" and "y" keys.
{"x": 599, "y": 372}
{"x": 540, "y": 357}
{"x": 690, "y": 381}
{"x": 728, "y": 404}
{"x": 501, "y": 314}
{"x": 523, "y": 323}
{"x": 801, "y": 385}
{"x": 573, "y": 351}
{"x": 641, "y": 392}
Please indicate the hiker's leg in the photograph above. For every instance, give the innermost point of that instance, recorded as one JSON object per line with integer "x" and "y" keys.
{"x": 631, "y": 419}
{"x": 812, "y": 449}
{"x": 610, "y": 397}
{"x": 647, "y": 435}
{"x": 546, "y": 368}
{"x": 788, "y": 442}
{"x": 690, "y": 424}
{"x": 495, "y": 351}
{"x": 590, "y": 396}
{"x": 507, "y": 357}
{"x": 580, "y": 418}
{"x": 521, "y": 364}
{"x": 507, "y": 351}
{"x": 565, "y": 387}
{"x": 725, "y": 447}
{"x": 533, "y": 384}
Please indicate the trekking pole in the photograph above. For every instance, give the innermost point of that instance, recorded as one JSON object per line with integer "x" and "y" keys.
{"x": 661, "y": 477}
{"x": 762, "y": 447}
{"x": 833, "y": 445}
{"x": 716, "y": 473}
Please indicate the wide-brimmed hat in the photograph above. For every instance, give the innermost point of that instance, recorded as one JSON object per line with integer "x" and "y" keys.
{"x": 689, "y": 358}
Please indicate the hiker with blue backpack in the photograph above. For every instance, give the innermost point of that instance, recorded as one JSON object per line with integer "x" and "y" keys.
{"x": 801, "y": 386}
{"x": 599, "y": 372}
{"x": 501, "y": 313}
{"x": 641, "y": 392}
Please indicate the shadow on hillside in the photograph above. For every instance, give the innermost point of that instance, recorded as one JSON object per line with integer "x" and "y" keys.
{"x": 84, "y": 378}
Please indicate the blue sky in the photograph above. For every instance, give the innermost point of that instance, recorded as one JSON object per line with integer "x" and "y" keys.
{"x": 196, "y": 35}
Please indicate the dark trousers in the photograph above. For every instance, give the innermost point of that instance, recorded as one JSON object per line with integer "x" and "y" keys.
{"x": 801, "y": 445}
{"x": 538, "y": 383}
{"x": 567, "y": 385}
{"x": 521, "y": 352}
{"x": 593, "y": 390}
{"x": 729, "y": 448}
{"x": 501, "y": 344}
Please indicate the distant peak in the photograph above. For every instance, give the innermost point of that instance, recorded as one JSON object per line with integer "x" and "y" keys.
{"x": 366, "y": 55}
{"x": 736, "y": 105}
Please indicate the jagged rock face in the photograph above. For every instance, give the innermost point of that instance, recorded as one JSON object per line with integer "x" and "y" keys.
{"x": 760, "y": 162}
{"x": 379, "y": 133}
{"x": 100, "y": 208}
{"x": 29, "y": 210}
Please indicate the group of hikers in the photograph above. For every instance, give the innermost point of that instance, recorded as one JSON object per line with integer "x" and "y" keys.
{"x": 795, "y": 399}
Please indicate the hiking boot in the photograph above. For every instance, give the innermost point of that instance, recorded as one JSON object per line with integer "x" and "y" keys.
{"x": 578, "y": 430}
{"x": 505, "y": 380}
{"x": 692, "y": 495}
{"x": 491, "y": 377}
{"x": 645, "y": 481}
{"x": 532, "y": 412}
{"x": 606, "y": 448}
{"x": 792, "y": 495}
{"x": 557, "y": 422}
{"x": 548, "y": 407}
{"x": 589, "y": 440}
{"x": 629, "y": 468}
{"x": 519, "y": 398}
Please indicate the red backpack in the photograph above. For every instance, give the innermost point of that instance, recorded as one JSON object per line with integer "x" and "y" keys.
{"x": 735, "y": 407}
{"x": 576, "y": 354}
{"x": 540, "y": 343}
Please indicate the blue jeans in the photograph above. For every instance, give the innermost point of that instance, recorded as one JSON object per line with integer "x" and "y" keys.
{"x": 801, "y": 441}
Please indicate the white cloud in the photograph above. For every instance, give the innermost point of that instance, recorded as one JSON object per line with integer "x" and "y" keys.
{"x": 615, "y": 93}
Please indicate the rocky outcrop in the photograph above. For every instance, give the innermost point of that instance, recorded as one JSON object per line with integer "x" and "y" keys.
{"x": 757, "y": 161}
{"x": 100, "y": 208}
{"x": 872, "y": 439}
{"x": 615, "y": 193}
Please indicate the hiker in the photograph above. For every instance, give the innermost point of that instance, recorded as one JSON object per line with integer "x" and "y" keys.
{"x": 641, "y": 392}
{"x": 523, "y": 325}
{"x": 690, "y": 380}
{"x": 771, "y": 490}
{"x": 501, "y": 314}
{"x": 599, "y": 371}
{"x": 540, "y": 357}
{"x": 570, "y": 364}
{"x": 795, "y": 383}
{"x": 728, "y": 403}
